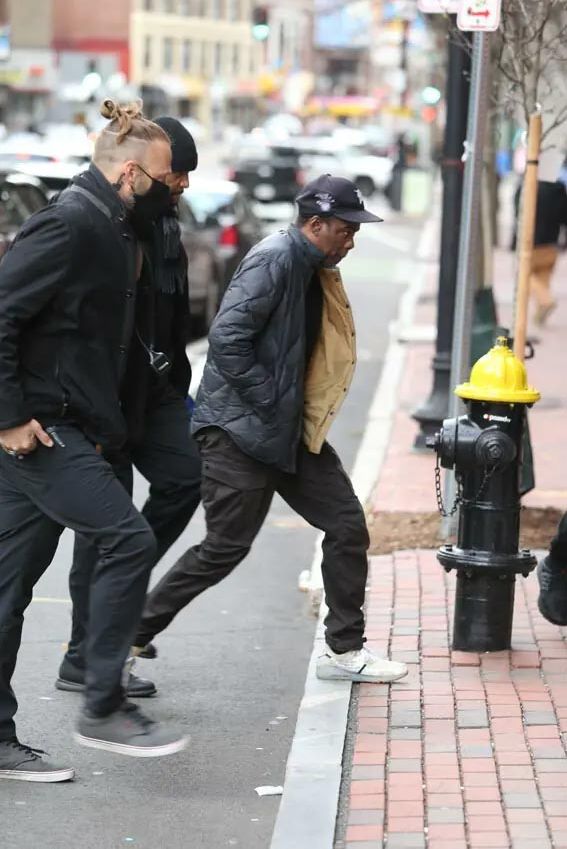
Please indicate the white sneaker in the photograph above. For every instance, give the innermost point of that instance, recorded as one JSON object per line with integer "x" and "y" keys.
{"x": 361, "y": 665}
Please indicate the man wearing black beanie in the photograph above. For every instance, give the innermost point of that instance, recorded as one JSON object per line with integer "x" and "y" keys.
{"x": 153, "y": 401}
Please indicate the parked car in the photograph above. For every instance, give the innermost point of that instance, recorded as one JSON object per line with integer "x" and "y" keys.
{"x": 329, "y": 154}
{"x": 267, "y": 172}
{"x": 55, "y": 176}
{"x": 225, "y": 216}
{"x": 20, "y": 197}
{"x": 205, "y": 271}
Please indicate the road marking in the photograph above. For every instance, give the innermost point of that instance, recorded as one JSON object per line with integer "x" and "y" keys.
{"x": 49, "y": 600}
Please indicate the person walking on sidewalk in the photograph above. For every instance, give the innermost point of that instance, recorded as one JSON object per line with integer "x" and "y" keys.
{"x": 153, "y": 399}
{"x": 281, "y": 358}
{"x": 551, "y": 215}
{"x": 67, "y": 298}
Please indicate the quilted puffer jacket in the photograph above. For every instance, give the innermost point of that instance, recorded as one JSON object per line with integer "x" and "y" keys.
{"x": 254, "y": 381}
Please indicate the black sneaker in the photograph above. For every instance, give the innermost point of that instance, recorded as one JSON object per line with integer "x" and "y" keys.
{"x": 23, "y": 763}
{"x": 72, "y": 680}
{"x": 148, "y": 652}
{"x": 552, "y": 601}
{"x": 128, "y": 732}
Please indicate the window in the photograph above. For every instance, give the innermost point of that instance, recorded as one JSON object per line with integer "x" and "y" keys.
{"x": 186, "y": 56}
{"x": 169, "y": 6}
{"x": 185, "y": 7}
{"x": 235, "y": 59}
{"x": 147, "y": 51}
{"x": 205, "y": 59}
{"x": 233, "y": 10}
{"x": 216, "y": 9}
{"x": 148, "y": 5}
{"x": 217, "y": 66}
{"x": 168, "y": 54}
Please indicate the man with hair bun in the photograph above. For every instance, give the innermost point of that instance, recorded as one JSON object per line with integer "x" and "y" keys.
{"x": 159, "y": 443}
{"x": 67, "y": 317}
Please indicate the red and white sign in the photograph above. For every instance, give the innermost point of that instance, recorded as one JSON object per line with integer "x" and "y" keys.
{"x": 439, "y": 7}
{"x": 479, "y": 15}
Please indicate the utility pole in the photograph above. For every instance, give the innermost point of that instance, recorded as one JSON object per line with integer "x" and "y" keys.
{"x": 431, "y": 414}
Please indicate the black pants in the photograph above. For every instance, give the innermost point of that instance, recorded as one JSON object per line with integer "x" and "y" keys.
{"x": 237, "y": 492}
{"x": 72, "y": 487}
{"x": 168, "y": 457}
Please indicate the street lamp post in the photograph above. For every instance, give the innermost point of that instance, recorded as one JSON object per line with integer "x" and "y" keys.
{"x": 432, "y": 412}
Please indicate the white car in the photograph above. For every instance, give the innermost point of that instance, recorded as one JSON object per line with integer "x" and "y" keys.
{"x": 329, "y": 155}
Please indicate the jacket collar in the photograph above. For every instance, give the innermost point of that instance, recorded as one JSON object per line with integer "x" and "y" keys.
{"x": 94, "y": 181}
{"x": 314, "y": 258}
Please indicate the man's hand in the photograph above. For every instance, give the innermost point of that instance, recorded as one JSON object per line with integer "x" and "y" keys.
{"x": 23, "y": 439}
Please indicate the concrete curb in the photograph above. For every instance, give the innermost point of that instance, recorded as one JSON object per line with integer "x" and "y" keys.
{"x": 308, "y": 810}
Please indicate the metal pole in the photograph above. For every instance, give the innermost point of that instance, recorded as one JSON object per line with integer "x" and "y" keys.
{"x": 469, "y": 242}
{"x": 431, "y": 414}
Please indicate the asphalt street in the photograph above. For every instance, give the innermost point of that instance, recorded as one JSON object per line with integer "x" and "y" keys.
{"x": 230, "y": 671}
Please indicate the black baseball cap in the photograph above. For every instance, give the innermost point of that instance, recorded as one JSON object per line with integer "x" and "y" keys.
{"x": 334, "y": 197}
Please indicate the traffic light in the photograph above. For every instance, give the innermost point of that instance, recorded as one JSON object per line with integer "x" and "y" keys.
{"x": 260, "y": 25}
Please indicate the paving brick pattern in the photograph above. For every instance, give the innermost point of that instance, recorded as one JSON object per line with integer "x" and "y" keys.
{"x": 470, "y": 751}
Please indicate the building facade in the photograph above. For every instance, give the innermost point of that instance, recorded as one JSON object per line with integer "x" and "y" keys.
{"x": 200, "y": 54}
{"x": 28, "y": 73}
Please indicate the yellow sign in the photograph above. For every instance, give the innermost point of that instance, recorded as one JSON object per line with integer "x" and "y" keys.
{"x": 11, "y": 76}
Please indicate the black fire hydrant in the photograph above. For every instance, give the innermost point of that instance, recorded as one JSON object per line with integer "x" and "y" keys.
{"x": 484, "y": 448}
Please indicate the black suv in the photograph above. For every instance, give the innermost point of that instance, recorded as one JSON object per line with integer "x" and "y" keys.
{"x": 267, "y": 172}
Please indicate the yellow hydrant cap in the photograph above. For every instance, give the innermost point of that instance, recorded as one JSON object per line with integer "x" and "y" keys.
{"x": 499, "y": 376}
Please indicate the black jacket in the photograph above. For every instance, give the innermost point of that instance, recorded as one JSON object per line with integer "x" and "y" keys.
{"x": 252, "y": 385}
{"x": 67, "y": 304}
{"x": 162, "y": 320}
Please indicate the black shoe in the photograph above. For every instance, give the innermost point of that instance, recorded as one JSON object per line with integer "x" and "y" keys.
{"x": 128, "y": 732}
{"x": 552, "y": 601}
{"x": 149, "y": 652}
{"x": 72, "y": 680}
{"x": 22, "y": 763}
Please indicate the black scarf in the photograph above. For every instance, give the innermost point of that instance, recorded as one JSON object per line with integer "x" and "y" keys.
{"x": 169, "y": 262}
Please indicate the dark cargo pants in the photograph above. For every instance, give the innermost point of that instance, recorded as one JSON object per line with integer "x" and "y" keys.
{"x": 168, "y": 458}
{"x": 237, "y": 492}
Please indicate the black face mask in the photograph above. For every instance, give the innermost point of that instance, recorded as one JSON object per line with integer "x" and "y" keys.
{"x": 154, "y": 202}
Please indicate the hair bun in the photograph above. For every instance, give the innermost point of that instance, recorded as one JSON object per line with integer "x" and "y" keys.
{"x": 109, "y": 109}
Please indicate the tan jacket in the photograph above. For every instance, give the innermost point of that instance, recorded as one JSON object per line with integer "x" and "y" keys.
{"x": 332, "y": 363}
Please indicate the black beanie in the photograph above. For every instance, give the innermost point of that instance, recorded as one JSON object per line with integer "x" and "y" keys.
{"x": 183, "y": 150}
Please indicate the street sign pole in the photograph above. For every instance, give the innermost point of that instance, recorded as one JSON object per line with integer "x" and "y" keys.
{"x": 469, "y": 242}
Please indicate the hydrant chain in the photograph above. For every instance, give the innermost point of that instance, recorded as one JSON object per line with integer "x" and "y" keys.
{"x": 459, "y": 496}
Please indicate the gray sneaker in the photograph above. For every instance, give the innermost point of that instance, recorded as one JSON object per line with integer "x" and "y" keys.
{"x": 128, "y": 732}
{"x": 23, "y": 763}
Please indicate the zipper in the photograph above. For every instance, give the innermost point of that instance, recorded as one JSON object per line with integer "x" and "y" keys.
{"x": 64, "y": 393}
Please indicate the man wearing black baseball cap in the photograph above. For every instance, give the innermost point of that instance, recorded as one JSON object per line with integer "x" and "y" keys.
{"x": 280, "y": 362}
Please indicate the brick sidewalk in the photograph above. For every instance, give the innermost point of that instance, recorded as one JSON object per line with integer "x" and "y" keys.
{"x": 469, "y": 752}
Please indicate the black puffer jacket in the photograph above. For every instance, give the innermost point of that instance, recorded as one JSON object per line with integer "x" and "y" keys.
{"x": 67, "y": 305}
{"x": 252, "y": 385}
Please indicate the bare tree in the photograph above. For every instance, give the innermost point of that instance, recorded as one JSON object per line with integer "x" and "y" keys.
{"x": 531, "y": 55}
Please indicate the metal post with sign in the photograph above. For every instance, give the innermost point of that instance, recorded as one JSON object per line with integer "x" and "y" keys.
{"x": 481, "y": 17}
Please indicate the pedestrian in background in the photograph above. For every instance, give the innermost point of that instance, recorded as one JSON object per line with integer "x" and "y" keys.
{"x": 551, "y": 215}
{"x": 280, "y": 362}
{"x": 67, "y": 310}
{"x": 153, "y": 399}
